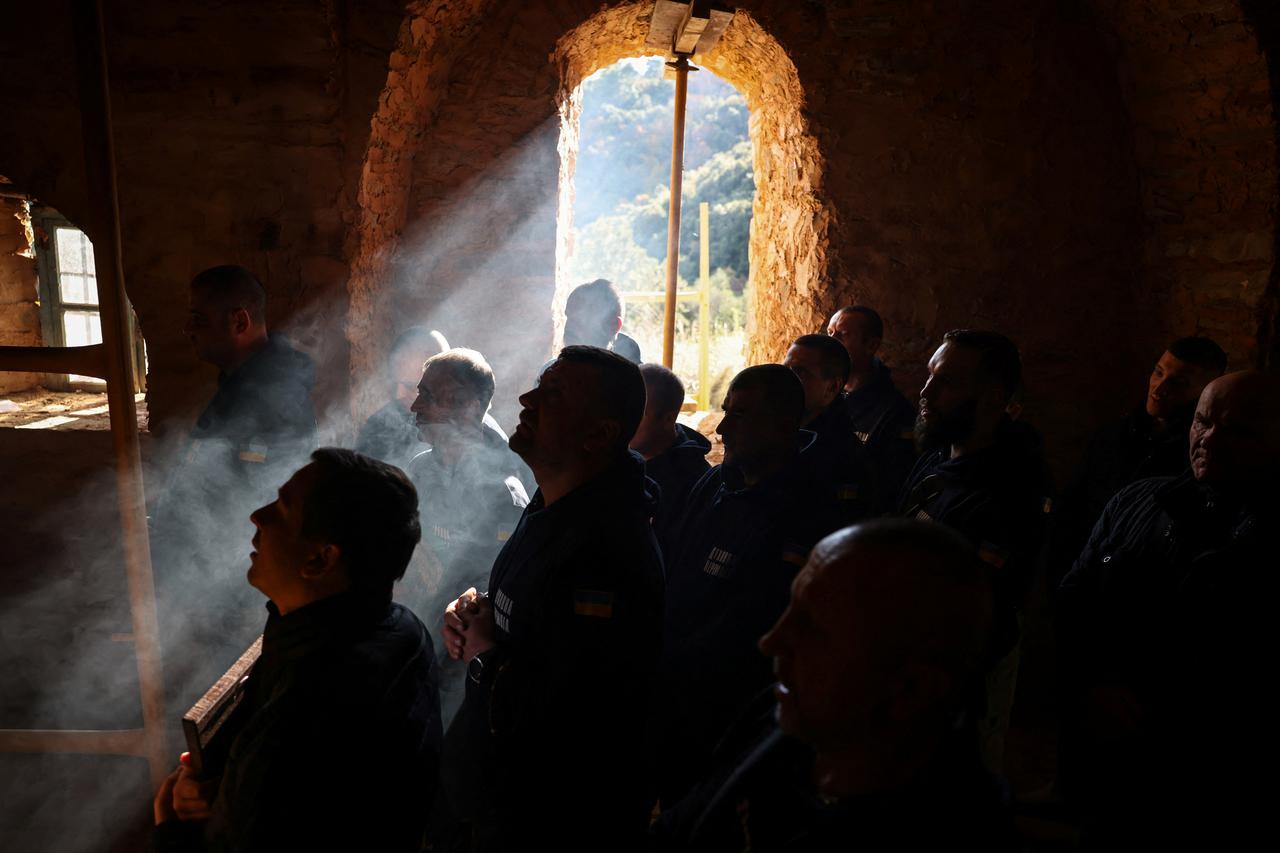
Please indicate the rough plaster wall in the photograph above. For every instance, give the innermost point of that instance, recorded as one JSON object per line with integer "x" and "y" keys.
{"x": 19, "y": 287}
{"x": 1200, "y": 104}
{"x": 240, "y": 130}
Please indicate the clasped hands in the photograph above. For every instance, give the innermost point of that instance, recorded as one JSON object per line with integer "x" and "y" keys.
{"x": 468, "y": 626}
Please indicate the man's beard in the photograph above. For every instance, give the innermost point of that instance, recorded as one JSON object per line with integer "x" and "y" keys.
{"x": 954, "y": 427}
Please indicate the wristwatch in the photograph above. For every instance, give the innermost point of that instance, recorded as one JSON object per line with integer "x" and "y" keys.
{"x": 475, "y": 668}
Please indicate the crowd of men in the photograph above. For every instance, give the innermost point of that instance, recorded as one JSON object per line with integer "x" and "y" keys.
{"x": 600, "y": 641}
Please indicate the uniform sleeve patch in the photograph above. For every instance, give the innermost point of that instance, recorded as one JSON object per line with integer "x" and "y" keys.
{"x": 992, "y": 554}
{"x": 253, "y": 452}
{"x": 593, "y": 602}
{"x": 847, "y": 492}
{"x": 504, "y": 535}
{"x": 1048, "y": 506}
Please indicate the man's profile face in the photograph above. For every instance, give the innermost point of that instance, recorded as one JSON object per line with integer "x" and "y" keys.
{"x": 406, "y": 372}
{"x": 949, "y": 399}
{"x": 554, "y": 415}
{"x": 823, "y": 649}
{"x": 749, "y": 429}
{"x": 443, "y": 402}
{"x": 1235, "y": 436}
{"x": 210, "y": 328}
{"x": 280, "y": 551}
{"x": 819, "y": 391}
{"x": 850, "y": 329}
{"x": 1174, "y": 386}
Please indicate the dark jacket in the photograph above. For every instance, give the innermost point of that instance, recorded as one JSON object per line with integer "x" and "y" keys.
{"x": 627, "y": 347}
{"x": 998, "y": 499}
{"x": 546, "y": 752}
{"x": 839, "y": 461}
{"x": 728, "y": 581}
{"x": 1173, "y": 599}
{"x": 676, "y": 470}
{"x": 761, "y": 796}
{"x": 338, "y": 739}
{"x": 468, "y": 512}
{"x": 255, "y": 432}
{"x": 884, "y": 421}
{"x": 1120, "y": 453}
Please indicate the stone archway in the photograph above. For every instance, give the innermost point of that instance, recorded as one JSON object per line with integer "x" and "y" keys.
{"x": 789, "y": 255}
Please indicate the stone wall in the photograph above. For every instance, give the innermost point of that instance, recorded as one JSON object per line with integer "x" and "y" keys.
{"x": 1092, "y": 178}
{"x": 19, "y": 288}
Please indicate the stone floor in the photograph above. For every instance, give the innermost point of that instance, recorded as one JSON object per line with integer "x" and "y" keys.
{"x": 42, "y": 408}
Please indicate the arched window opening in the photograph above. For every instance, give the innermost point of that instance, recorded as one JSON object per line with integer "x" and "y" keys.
{"x": 620, "y": 192}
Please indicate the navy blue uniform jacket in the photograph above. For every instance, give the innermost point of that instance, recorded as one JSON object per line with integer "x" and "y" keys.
{"x": 338, "y": 739}
{"x": 546, "y": 751}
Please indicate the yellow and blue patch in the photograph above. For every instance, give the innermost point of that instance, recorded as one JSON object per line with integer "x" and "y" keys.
{"x": 992, "y": 554}
{"x": 593, "y": 602}
{"x": 794, "y": 554}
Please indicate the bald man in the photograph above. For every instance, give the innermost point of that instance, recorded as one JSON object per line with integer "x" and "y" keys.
{"x": 1166, "y": 633}
{"x": 864, "y": 743}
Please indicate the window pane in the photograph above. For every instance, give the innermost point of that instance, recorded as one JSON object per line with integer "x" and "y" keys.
{"x": 72, "y": 248}
{"x": 73, "y": 287}
{"x": 81, "y": 328}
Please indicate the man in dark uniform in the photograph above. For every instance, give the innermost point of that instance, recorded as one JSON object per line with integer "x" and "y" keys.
{"x": 883, "y": 419}
{"x": 675, "y": 456}
{"x": 390, "y": 434}
{"x": 984, "y": 476}
{"x": 255, "y": 431}
{"x": 469, "y": 500}
{"x": 1166, "y": 632}
{"x": 866, "y": 745}
{"x": 336, "y": 744}
{"x": 839, "y": 459}
{"x": 562, "y": 650}
{"x": 747, "y": 528}
{"x": 1151, "y": 441}
{"x": 593, "y": 317}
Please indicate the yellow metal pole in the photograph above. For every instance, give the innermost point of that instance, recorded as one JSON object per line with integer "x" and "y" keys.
{"x": 681, "y": 68}
{"x": 100, "y": 168}
{"x": 704, "y": 307}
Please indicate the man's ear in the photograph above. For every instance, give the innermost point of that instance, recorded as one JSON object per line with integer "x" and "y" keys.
{"x": 603, "y": 435}
{"x": 323, "y": 562}
{"x": 921, "y": 688}
{"x": 240, "y": 321}
{"x": 874, "y": 345}
{"x": 617, "y": 326}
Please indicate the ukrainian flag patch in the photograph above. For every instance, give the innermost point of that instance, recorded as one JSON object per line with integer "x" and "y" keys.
{"x": 593, "y": 602}
{"x": 253, "y": 452}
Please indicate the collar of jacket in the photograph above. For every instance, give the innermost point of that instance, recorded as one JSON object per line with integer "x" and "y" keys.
{"x": 320, "y": 623}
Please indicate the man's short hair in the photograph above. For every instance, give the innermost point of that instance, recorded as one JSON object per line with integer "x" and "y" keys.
{"x": 598, "y": 299}
{"x": 870, "y": 318}
{"x": 234, "y": 287}
{"x": 663, "y": 388}
{"x": 783, "y": 393}
{"x": 369, "y": 509}
{"x": 469, "y": 369}
{"x": 998, "y": 358}
{"x": 1200, "y": 351}
{"x": 833, "y": 357}
{"x": 620, "y": 393}
{"x": 417, "y": 339}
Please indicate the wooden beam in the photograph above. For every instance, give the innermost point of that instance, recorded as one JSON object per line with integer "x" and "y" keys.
{"x": 85, "y": 361}
{"x": 85, "y": 742}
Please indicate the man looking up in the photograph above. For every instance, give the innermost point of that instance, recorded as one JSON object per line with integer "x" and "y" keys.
{"x": 258, "y": 427}
{"x": 866, "y": 745}
{"x": 562, "y": 650}
{"x": 1151, "y": 441}
{"x": 469, "y": 501}
{"x": 882, "y": 417}
{"x": 336, "y": 743}
{"x": 822, "y": 366}
{"x": 1166, "y": 633}
{"x": 747, "y": 526}
{"x": 390, "y": 434}
{"x": 984, "y": 477}
{"x": 593, "y": 317}
{"x": 675, "y": 456}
